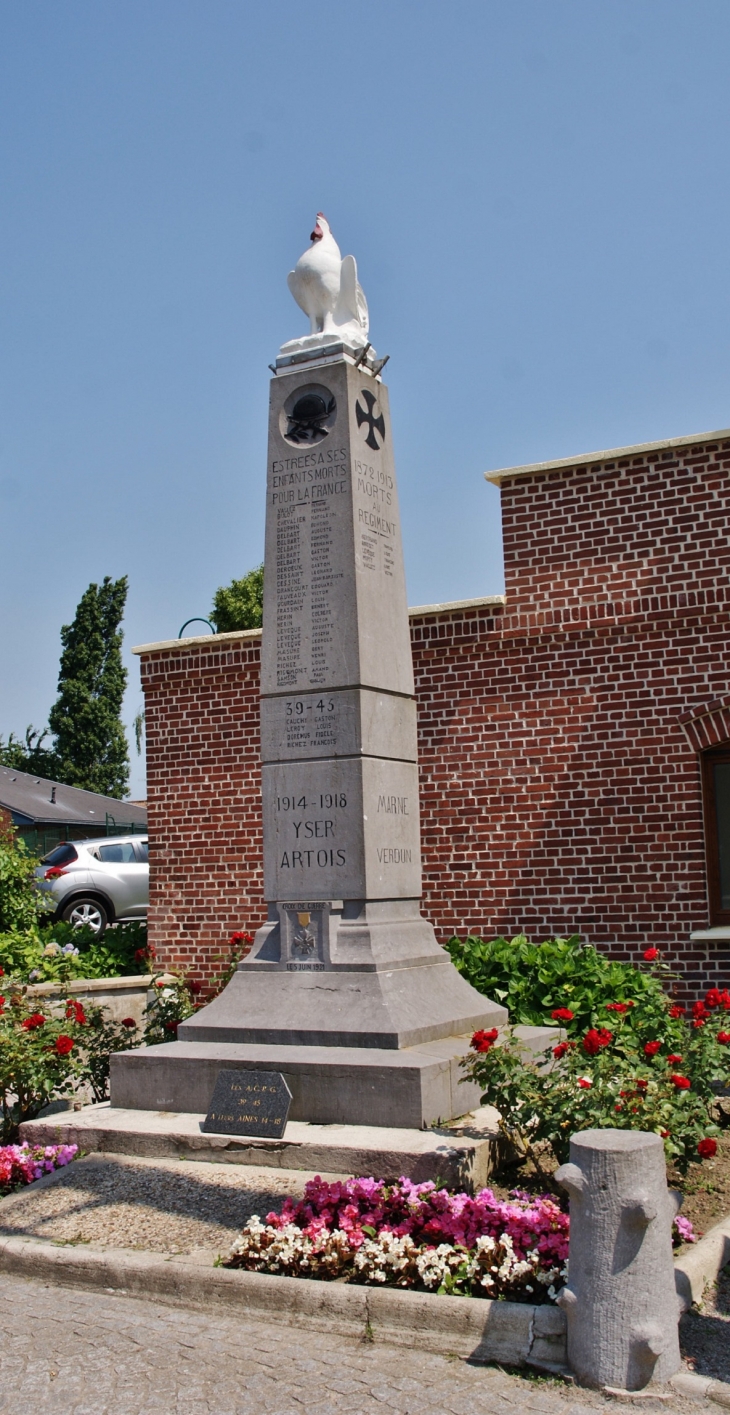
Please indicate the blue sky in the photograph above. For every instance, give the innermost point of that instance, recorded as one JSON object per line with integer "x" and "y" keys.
{"x": 537, "y": 195}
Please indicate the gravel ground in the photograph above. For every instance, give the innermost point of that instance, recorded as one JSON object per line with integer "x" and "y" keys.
{"x": 705, "y": 1333}
{"x": 159, "y": 1205}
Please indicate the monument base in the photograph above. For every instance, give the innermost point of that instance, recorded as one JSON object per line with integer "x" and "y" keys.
{"x": 394, "y": 1008}
{"x": 330, "y": 1085}
{"x": 409, "y": 1089}
{"x": 359, "y": 1040}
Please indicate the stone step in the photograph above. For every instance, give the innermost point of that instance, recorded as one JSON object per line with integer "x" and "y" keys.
{"x": 414, "y": 1088}
{"x": 463, "y": 1160}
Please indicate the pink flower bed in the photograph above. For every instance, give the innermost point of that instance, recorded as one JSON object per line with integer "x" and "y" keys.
{"x": 429, "y": 1215}
{"x": 413, "y": 1235}
{"x": 418, "y": 1236}
{"x": 22, "y": 1164}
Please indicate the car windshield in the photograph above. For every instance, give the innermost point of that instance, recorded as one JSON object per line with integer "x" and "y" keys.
{"x": 62, "y": 855}
{"x": 121, "y": 853}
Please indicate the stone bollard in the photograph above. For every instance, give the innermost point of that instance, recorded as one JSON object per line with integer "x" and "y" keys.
{"x": 620, "y": 1302}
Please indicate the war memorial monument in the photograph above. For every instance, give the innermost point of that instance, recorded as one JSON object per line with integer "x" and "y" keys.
{"x": 346, "y": 992}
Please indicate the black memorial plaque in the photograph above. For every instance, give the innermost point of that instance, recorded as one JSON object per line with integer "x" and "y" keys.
{"x": 248, "y": 1103}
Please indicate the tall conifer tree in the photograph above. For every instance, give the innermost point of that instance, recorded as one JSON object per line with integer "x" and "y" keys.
{"x": 91, "y": 744}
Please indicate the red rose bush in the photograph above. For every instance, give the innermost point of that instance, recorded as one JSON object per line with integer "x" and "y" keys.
{"x": 55, "y": 1052}
{"x": 413, "y": 1235}
{"x": 652, "y": 1069}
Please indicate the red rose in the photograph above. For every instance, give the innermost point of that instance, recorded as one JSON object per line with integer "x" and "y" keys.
{"x": 665, "y": 1134}
{"x": 642, "y": 1085}
{"x": 682, "y": 1083}
{"x": 699, "y": 1022}
{"x": 652, "y": 1048}
{"x": 128, "y": 1022}
{"x": 171, "y": 1026}
{"x": 36, "y": 1019}
{"x": 594, "y": 1040}
{"x": 722, "y": 1037}
{"x": 64, "y": 1045}
{"x": 724, "y": 998}
{"x": 707, "y": 1149}
{"x": 651, "y": 955}
{"x": 617, "y": 1007}
{"x": 674, "y": 1059}
{"x": 561, "y": 1049}
{"x": 677, "y": 1011}
{"x": 75, "y": 1010}
{"x": 699, "y": 1009}
{"x": 584, "y": 1083}
{"x": 483, "y": 1041}
{"x": 562, "y": 1014}
{"x": 2, "y": 972}
{"x": 712, "y": 997}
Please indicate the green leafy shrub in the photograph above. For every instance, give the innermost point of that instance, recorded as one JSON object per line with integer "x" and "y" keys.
{"x": 59, "y": 952}
{"x": 642, "y": 1064}
{"x": 531, "y": 980}
{"x": 171, "y": 1003}
{"x": 101, "y": 1037}
{"x": 21, "y": 902}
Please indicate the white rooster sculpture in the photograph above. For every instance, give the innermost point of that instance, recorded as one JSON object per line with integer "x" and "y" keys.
{"x": 326, "y": 287}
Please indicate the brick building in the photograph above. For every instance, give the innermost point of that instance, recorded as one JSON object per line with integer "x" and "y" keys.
{"x": 574, "y": 733}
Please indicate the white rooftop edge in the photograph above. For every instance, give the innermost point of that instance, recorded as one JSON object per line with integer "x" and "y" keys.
{"x": 456, "y": 604}
{"x": 611, "y": 454}
{"x": 256, "y": 633}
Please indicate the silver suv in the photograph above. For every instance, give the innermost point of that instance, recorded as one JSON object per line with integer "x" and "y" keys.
{"x": 98, "y": 882}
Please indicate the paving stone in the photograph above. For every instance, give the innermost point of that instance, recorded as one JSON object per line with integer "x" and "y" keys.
{"x": 73, "y": 1352}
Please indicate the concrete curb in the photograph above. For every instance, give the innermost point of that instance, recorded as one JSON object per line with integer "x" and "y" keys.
{"x": 703, "y": 1263}
{"x": 511, "y": 1333}
{"x": 701, "y": 1388}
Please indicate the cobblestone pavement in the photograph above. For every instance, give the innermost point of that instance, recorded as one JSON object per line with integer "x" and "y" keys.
{"x": 81, "y": 1353}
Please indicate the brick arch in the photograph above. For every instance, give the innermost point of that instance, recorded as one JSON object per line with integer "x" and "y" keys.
{"x": 708, "y": 726}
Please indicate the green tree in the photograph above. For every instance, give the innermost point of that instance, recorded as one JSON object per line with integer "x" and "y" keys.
{"x": 21, "y": 902}
{"x": 91, "y": 745}
{"x": 30, "y": 755}
{"x": 240, "y": 605}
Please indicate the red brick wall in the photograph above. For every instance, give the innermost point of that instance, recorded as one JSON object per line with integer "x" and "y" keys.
{"x": 203, "y": 799}
{"x": 560, "y": 785}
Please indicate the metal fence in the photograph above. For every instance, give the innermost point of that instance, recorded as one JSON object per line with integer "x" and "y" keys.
{"x": 40, "y": 839}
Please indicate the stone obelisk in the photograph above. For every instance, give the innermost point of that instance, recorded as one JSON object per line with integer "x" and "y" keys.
{"x": 346, "y": 990}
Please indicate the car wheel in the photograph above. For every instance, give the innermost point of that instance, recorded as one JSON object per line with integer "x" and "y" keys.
{"x": 86, "y": 912}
